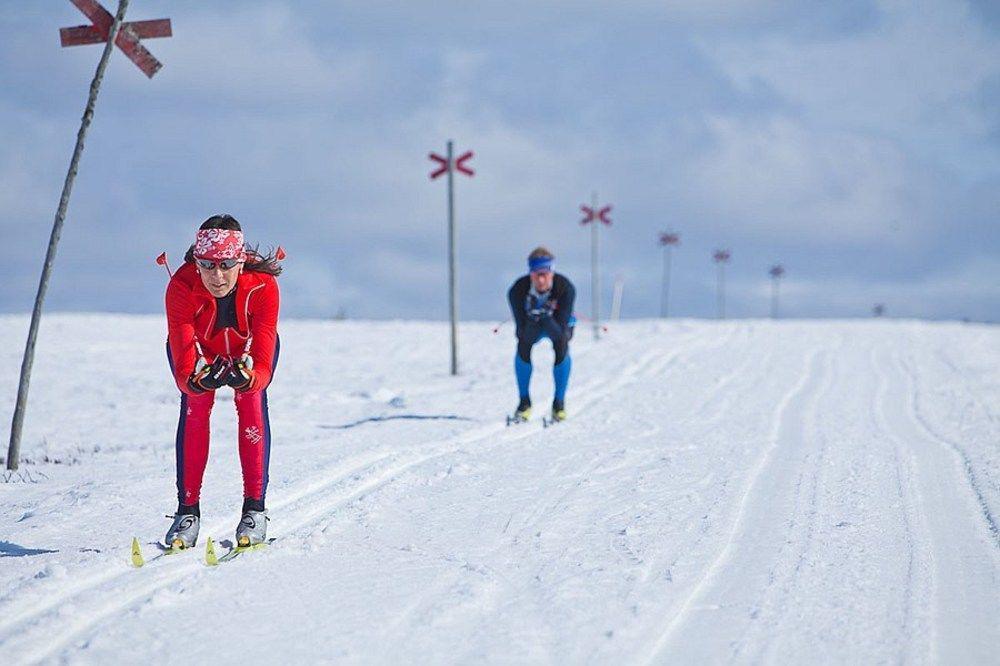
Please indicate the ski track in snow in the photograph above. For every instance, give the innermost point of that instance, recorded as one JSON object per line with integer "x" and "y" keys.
{"x": 721, "y": 563}
{"x": 745, "y": 492}
{"x": 970, "y": 472}
{"x": 522, "y": 537}
{"x": 354, "y": 471}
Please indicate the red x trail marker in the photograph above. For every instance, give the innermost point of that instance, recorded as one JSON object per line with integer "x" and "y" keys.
{"x": 595, "y": 215}
{"x": 668, "y": 238}
{"x": 127, "y": 39}
{"x": 442, "y": 169}
{"x": 443, "y": 164}
{"x": 460, "y": 164}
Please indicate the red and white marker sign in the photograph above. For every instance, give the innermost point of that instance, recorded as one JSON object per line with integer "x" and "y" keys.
{"x": 459, "y": 164}
{"x": 591, "y": 215}
{"x": 667, "y": 238}
{"x": 128, "y": 36}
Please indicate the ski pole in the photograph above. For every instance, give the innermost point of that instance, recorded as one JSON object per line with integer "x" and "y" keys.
{"x": 496, "y": 329}
{"x": 247, "y": 359}
{"x": 162, "y": 261}
{"x": 604, "y": 328}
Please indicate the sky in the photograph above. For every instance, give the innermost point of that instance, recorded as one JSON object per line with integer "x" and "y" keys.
{"x": 856, "y": 143}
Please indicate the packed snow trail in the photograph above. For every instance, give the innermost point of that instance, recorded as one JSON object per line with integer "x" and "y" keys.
{"x": 723, "y": 492}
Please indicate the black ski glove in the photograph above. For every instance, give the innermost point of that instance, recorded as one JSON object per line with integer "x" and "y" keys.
{"x": 240, "y": 375}
{"x": 210, "y": 377}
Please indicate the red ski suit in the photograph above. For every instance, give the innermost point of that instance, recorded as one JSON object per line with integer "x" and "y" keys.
{"x": 191, "y": 312}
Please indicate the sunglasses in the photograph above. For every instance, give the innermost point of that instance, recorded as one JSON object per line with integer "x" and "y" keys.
{"x": 225, "y": 264}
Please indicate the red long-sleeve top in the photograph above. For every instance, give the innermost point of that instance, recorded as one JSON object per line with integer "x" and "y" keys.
{"x": 191, "y": 315}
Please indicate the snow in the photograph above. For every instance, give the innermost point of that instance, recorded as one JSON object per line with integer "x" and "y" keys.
{"x": 746, "y": 491}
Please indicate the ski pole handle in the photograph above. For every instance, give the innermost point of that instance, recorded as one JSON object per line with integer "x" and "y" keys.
{"x": 162, "y": 261}
{"x": 247, "y": 359}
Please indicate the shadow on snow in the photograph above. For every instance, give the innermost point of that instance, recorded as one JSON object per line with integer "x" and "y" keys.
{"x": 8, "y": 549}
{"x": 397, "y": 417}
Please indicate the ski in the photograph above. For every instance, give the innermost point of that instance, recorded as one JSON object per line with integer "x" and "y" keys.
{"x": 520, "y": 415}
{"x": 550, "y": 421}
{"x": 212, "y": 559}
{"x": 138, "y": 560}
{"x": 515, "y": 419}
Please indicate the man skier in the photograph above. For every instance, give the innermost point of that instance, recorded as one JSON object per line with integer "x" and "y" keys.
{"x": 222, "y": 318}
{"x": 542, "y": 307}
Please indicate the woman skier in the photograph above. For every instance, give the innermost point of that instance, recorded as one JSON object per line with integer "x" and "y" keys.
{"x": 222, "y": 316}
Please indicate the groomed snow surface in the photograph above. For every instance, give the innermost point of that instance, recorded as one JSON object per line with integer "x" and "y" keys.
{"x": 723, "y": 492}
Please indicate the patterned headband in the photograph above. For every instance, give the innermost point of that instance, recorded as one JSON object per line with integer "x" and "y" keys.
{"x": 219, "y": 244}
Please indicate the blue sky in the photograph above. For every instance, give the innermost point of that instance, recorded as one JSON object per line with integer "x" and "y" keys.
{"x": 857, "y": 143}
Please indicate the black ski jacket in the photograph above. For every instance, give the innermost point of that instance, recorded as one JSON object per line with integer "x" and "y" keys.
{"x": 562, "y": 296}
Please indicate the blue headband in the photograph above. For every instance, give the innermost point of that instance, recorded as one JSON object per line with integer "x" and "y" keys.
{"x": 539, "y": 264}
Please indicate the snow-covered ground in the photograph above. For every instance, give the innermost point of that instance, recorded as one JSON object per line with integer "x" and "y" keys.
{"x": 746, "y": 491}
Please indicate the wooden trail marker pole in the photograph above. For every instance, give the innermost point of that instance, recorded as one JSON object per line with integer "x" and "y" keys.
{"x": 721, "y": 258}
{"x": 448, "y": 165}
{"x": 112, "y": 31}
{"x": 592, "y": 215}
{"x": 668, "y": 240}
{"x": 776, "y": 273}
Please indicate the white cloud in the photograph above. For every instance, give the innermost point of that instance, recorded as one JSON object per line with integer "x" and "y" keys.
{"x": 813, "y": 140}
{"x": 779, "y": 179}
{"x": 29, "y": 181}
{"x": 915, "y": 76}
{"x": 257, "y": 55}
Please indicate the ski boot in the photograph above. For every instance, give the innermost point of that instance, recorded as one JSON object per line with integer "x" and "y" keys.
{"x": 252, "y": 529}
{"x": 522, "y": 413}
{"x": 558, "y": 411}
{"x": 183, "y": 533}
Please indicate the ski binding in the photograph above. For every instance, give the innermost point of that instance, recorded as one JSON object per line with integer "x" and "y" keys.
{"x": 212, "y": 559}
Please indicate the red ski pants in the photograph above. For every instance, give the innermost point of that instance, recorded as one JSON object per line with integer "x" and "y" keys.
{"x": 193, "y": 438}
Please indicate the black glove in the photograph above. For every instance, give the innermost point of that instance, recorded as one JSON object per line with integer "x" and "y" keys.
{"x": 240, "y": 375}
{"x": 210, "y": 377}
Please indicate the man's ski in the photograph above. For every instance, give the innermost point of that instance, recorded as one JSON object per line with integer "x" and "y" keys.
{"x": 515, "y": 419}
{"x": 213, "y": 560}
{"x": 549, "y": 421}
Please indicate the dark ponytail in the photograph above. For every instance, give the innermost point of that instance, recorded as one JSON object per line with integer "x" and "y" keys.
{"x": 256, "y": 262}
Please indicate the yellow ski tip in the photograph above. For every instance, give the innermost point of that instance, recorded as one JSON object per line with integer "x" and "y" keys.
{"x": 137, "y": 559}
{"x": 210, "y": 557}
